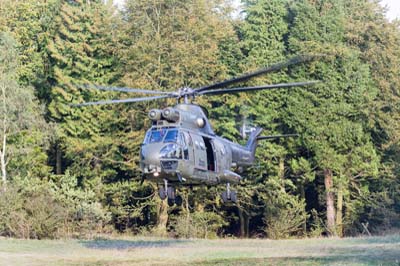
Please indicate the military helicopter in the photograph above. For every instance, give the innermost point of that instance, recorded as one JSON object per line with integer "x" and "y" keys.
{"x": 181, "y": 148}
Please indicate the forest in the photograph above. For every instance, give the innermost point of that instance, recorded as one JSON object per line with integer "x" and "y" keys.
{"x": 73, "y": 172}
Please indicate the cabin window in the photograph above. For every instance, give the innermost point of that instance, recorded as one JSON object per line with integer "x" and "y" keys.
{"x": 188, "y": 139}
{"x": 203, "y": 147}
{"x": 182, "y": 137}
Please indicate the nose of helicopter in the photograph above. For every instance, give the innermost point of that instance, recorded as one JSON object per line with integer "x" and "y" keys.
{"x": 150, "y": 156}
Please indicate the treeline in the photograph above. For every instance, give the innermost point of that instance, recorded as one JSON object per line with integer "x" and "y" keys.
{"x": 74, "y": 172}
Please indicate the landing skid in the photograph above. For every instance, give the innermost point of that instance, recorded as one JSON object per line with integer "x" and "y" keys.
{"x": 169, "y": 192}
{"x": 229, "y": 195}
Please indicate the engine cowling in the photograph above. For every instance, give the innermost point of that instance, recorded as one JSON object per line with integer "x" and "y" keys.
{"x": 171, "y": 114}
{"x": 155, "y": 114}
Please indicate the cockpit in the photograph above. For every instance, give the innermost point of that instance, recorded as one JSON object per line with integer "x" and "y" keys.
{"x": 171, "y": 140}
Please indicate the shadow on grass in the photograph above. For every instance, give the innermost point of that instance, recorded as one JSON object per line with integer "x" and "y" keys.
{"x": 130, "y": 244}
{"x": 303, "y": 261}
{"x": 369, "y": 251}
{"x": 387, "y": 254}
{"x": 394, "y": 239}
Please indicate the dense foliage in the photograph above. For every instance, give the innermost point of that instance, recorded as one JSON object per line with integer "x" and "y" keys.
{"x": 74, "y": 171}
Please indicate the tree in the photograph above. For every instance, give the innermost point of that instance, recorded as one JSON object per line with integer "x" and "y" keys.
{"x": 378, "y": 41}
{"x": 20, "y": 112}
{"x": 334, "y": 115}
{"x": 81, "y": 52}
{"x": 263, "y": 35}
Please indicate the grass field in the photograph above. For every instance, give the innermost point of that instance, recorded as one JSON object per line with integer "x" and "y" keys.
{"x": 148, "y": 251}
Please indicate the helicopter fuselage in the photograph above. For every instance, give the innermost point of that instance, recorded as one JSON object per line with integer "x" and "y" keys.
{"x": 182, "y": 148}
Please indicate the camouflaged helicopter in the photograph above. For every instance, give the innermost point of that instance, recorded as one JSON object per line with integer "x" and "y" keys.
{"x": 181, "y": 148}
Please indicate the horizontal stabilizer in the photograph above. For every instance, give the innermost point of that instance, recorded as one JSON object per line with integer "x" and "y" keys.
{"x": 277, "y": 136}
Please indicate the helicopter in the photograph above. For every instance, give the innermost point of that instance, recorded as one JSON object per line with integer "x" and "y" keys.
{"x": 181, "y": 148}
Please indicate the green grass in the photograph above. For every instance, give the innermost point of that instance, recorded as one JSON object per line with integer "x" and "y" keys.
{"x": 149, "y": 251}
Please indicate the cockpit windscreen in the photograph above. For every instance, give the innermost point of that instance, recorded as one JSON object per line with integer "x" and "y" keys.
{"x": 159, "y": 135}
{"x": 171, "y": 136}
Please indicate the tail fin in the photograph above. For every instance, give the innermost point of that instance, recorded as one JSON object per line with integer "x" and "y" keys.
{"x": 252, "y": 142}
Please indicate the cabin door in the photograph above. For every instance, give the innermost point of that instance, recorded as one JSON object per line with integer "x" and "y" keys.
{"x": 210, "y": 151}
{"x": 200, "y": 152}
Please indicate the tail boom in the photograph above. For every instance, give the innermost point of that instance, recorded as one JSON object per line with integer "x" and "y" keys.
{"x": 243, "y": 156}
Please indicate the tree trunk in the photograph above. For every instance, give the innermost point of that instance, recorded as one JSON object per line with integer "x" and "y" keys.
{"x": 3, "y": 161}
{"x": 188, "y": 233}
{"x": 330, "y": 208}
{"x": 162, "y": 218}
{"x": 243, "y": 223}
{"x": 303, "y": 196}
{"x": 3, "y": 150}
{"x": 281, "y": 172}
{"x": 58, "y": 160}
{"x": 339, "y": 212}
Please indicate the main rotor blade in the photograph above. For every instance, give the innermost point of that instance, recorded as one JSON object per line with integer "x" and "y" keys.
{"x": 277, "y": 136}
{"x": 263, "y": 87}
{"x": 275, "y": 67}
{"x": 122, "y": 89}
{"x": 129, "y": 100}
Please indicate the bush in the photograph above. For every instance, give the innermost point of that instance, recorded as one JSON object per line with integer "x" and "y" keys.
{"x": 286, "y": 221}
{"x": 197, "y": 225}
{"x": 32, "y": 208}
{"x": 85, "y": 215}
{"x": 27, "y": 214}
{"x": 285, "y": 213}
{"x": 317, "y": 225}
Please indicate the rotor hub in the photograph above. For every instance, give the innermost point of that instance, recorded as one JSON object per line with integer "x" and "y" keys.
{"x": 185, "y": 93}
